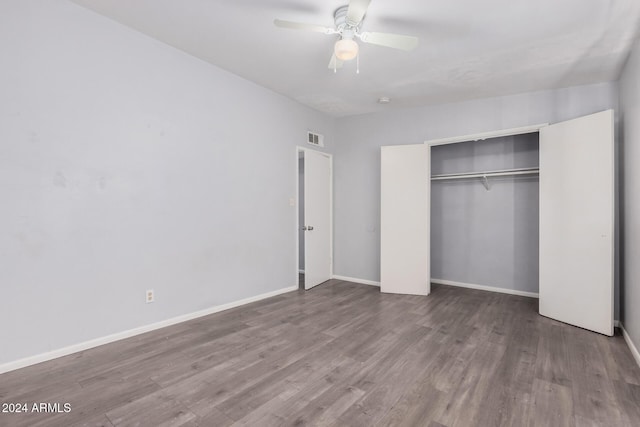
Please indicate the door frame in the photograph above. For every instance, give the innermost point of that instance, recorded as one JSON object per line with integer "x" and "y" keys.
{"x": 297, "y": 224}
{"x": 486, "y": 135}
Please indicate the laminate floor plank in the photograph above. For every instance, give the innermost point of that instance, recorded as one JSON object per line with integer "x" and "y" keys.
{"x": 593, "y": 392}
{"x": 262, "y": 402}
{"x": 312, "y": 389}
{"x": 422, "y": 402}
{"x": 460, "y": 348}
{"x": 474, "y": 384}
{"x": 99, "y": 421}
{"x": 156, "y": 409}
{"x": 512, "y": 381}
{"x": 241, "y": 352}
{"x": 628, "y": 397}
{"x": 552, "y": 363}
{"x": 552, "y": 405}
{"x": 328, "y": 386}
{"x": 387, "y": 381}
{"x": 326, "y": 408}
{"x": 214, "y": 418}
{"x": 106, "y": 399}
{"x": 345, "y": 354}
{"x": 509, "y": 407}
{"x": 618, "y": 359}
{"x": 259, "y": 393}
{"x": 219, "y": 388}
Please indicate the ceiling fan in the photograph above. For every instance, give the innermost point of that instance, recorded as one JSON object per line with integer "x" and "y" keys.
{"x": 348, "y": 23}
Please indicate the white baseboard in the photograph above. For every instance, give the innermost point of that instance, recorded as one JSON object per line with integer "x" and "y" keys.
{"x": 356, "y": 280}
{"x": 632, "y": 346}
{"x": 485, "y": 288}
{"x": 445, "y": 282}
{"x": 43, "y": 357}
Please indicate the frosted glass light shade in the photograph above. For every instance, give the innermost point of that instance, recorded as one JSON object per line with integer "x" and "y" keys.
{"x": 346, "y": 49}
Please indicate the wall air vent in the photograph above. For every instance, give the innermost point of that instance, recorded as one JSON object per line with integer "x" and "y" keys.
{"x": 315, "y": 139}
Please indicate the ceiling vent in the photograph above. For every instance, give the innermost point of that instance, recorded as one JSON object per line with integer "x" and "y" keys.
{"x": 315, "y": 139}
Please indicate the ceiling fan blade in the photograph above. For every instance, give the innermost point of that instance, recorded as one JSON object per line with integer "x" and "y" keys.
{"x": 301, "y": 26}
{"x": 396, "y": 41}
{"x": 356, "y": 11}
{"x": 335, "y": 62}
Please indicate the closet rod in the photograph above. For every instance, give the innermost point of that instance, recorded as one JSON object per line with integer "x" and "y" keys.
{"x": 505, "y": 172}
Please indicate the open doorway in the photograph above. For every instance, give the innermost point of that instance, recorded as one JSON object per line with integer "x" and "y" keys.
{"x": 301, "y": 219}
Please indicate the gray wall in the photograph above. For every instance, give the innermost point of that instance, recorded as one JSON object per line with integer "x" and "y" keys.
{"x": 629, "y": 159}
{"x": 127, "y": 165}
{"x": 357, "y": 154}
{"x": 486, "y": 237}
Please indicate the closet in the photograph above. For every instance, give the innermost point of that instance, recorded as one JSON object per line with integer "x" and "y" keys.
{"x": 557, "y": 230}
{"x": 484, "y": 214}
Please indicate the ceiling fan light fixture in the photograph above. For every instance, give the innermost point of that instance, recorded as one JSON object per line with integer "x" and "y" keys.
{"x": 346, "y": 49}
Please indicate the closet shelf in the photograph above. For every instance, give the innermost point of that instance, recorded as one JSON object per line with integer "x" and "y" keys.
{"x": 486, "y": 174}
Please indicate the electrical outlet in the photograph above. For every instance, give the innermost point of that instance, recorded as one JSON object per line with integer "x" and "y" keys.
{"x": 150, "y": 296}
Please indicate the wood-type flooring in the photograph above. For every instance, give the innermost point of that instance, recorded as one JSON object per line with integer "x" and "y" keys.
{"x": 343, "y": 354}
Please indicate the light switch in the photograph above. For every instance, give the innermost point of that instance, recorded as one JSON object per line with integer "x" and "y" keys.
{"x": 292, "y": 201}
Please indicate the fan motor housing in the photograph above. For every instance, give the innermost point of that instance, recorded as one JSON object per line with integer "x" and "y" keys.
{"x": 340, "y": 19}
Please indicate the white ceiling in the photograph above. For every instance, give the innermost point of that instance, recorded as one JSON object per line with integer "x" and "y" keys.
{"x": 468, "y": 48}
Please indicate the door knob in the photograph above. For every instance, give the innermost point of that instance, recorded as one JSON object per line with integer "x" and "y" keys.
{"x": 310, "y": 228}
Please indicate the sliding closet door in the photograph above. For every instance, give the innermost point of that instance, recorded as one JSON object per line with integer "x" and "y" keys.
{"x": 576, "y": 222}
{"x": 404, "y": 215}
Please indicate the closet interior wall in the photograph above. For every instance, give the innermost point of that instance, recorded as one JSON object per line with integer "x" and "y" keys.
{"x": 486, "y": 237}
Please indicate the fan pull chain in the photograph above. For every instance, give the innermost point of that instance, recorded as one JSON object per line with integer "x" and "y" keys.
{"x": 358, "y": 63}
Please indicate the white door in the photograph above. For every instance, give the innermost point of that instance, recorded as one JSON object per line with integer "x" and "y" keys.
{"x": 404, "y": 219}
{"x": 577, "y": 223}
{"x": 317, "y": 217}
